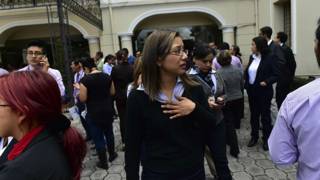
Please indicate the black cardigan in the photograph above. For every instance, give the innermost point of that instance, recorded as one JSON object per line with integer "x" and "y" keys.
{"x": 169, "y": 145}
{"x": 43, "y": 159}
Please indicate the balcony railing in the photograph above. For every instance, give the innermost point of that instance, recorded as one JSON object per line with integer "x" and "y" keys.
{"x": 87, "y": 9}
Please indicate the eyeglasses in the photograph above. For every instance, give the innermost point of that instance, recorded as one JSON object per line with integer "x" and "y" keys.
{"x": 34, "y": 53}
{"x": 178, "y": 51}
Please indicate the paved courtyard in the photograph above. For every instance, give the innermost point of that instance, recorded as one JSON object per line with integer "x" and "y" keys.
{"x": 252, "y": 164}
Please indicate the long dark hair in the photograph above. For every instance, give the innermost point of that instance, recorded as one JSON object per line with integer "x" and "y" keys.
{"x": 36, "y": 94}
{"x": 157, "y": 47}
{"x": 137, "y": 70}
{"x": 261, "y": 45}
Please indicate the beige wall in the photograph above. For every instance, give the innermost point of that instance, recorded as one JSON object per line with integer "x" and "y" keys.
{"x": 307, "y": 15}
{"x": 237, "y": 13}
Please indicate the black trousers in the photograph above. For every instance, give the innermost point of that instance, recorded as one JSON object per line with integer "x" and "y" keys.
{"x": 122, "y": 107}
{"x": 282, "y": 90}
{"x": 192, "y": 174}
{"x": 81, "y": 106}
{"x": 259, "y": 103}
{"x": 216, "y": 142}
{"x": 232, "y": 113}
{"x": 234, "y": 110}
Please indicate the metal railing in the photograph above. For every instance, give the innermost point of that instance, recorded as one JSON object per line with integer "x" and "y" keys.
{"x": 87, "y": 9}
{"x": 16, "y": 4}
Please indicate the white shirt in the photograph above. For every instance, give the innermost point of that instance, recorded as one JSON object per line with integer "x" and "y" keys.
{"x": 107, "y": 68}
{"x": 253, "y": 68}
{"x": 3, "y": 71}
{"x": 193, "y": 71}
{"x": 2, "y": 149}
{"x": 269, "y": 42}
{"x": 54, "y": 73}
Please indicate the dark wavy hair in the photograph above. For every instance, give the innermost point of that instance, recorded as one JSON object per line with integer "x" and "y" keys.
{"x": 261, "y": 44}
{"x": 38, "y": 43}
{"x": 88, "y": 63}
{"x": 201, "y": 51}
{"x": 266, "y": 31}
{"x": 36, "y": 94}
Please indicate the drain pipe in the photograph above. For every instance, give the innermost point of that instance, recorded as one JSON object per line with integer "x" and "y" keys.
{"x": 256, "y": 15}
{"x": 111, "y": 24}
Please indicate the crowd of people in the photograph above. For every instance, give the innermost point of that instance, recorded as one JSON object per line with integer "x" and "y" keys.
{"x": 171, "y": 115}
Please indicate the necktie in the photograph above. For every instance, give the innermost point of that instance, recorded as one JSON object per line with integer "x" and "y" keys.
{"x": 77, "y": 77}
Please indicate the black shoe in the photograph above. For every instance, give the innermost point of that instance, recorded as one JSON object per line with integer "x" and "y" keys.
{"x": 113, "y": 157}
{"x": 102, "y": 165}
{"x": 234, "y": 153}
{"x": 252, "y": 142}
{"x": 102, "y": 159}
{"x": 265, "y": 146}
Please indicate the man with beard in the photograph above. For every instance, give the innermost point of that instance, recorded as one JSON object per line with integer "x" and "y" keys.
{"x": 296, "y": 133}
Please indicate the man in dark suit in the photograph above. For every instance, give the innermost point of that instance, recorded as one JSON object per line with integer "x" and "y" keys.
{"x": 277, "y": 51}
{"x": 266, "y": 32}
{"x": 288, "y": 71}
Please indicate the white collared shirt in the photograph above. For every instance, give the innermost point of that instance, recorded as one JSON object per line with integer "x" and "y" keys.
{"x": 2, "y": 149}
{"x": 107, "y": 68}
{"x": 193, "y": 71}
{"x": 54, "y": 73}
{"x": 162, "y": 98}
{"x": 253, "y": 68}
{"x": 269, "y": 42}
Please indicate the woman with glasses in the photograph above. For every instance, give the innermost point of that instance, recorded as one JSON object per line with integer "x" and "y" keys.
{"x": 166, "y": 115}
{"x": 47, "y": 147}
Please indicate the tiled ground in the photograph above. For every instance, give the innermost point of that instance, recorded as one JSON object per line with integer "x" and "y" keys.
{"x": 252, "y": 164}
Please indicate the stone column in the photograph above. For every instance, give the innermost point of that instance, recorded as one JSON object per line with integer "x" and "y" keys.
{"x": 126, "y": 41}
{"x": 228, "y": 34}
{"x": 93, "y": 45}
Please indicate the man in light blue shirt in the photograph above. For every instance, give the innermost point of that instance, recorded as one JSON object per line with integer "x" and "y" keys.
{"x": 296, "y": 134}
{"x": 37, "y": 60}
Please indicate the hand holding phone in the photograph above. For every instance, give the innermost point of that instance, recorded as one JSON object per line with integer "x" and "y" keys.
{"x": 220, "y": 101}
{"x": 44, "y": 63}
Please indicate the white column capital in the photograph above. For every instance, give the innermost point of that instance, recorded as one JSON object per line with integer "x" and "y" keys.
{"x": 92, "y": 39}
{"x": 227, "y": 29}
{"x": 125, "y": 36}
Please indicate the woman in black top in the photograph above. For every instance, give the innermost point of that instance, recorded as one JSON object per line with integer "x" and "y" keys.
{"x": 214, "y": 88}
{"x": 166, "y": 115}
{"x": 96, "y": 89}
{"x": 47, "y": 147}
{"x": 260, "y": 74}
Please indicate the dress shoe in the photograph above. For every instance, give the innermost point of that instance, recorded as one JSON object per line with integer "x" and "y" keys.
{"x": 234, "y": 154}
{"x": 113, "y": 156}
{"x": 265, "y": 146}
{"x": 252, "y": 142}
